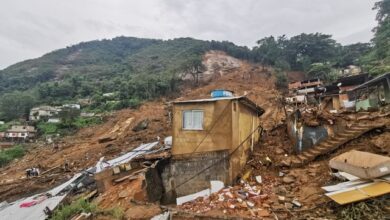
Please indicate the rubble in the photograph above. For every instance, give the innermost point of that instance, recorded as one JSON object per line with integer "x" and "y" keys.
{"x": 142, "y": 125}
{"x": 288, "y": 179}
{"x": 259, "y": 179}
{"x": 250, "y": 200}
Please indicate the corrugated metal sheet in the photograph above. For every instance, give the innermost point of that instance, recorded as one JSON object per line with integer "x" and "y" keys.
{"x": 143, "y": 148}
{"x": 15, "y": 212}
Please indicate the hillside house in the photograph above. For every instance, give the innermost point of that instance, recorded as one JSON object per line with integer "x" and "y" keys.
{"x": 217, "y": 133}
{"x": 20, "y": 132}
{"x": 304, "y": 87}
{"x": 50, "y": 113}
{"x": 351, "y": 70}
{"x": 43, "y": 112}
{"x": 335, "y": 96}
{"x": 74, "y": 106}
{"x": 372, "y": 94}
{"x": 346, "y": 84}
{"x": 54, "y": 120}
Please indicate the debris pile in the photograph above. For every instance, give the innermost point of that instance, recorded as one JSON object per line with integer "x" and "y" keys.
{"x": 368, "y": 176}
{"x": 245, "y": 199}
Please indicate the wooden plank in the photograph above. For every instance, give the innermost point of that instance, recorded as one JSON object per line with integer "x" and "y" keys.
{"x": 360, "y": 193}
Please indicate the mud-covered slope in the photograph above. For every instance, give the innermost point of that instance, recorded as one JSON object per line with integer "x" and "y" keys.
{"x": 83, "y": 149}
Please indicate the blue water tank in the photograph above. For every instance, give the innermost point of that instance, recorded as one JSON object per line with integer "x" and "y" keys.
{"x": 219, "y": 93}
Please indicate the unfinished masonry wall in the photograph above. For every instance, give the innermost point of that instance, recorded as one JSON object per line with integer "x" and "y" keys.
{"x": 181, "y": 170}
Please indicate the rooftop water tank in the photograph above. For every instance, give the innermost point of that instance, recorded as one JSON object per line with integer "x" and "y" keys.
{"x": 219, "y": 93}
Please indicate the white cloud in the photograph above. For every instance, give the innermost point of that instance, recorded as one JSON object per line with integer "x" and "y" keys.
{"x": 31, "y": 28}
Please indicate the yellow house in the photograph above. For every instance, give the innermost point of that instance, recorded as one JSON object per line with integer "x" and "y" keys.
{"x": 213, "y": 136}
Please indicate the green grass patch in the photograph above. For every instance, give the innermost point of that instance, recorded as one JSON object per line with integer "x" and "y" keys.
{"x": 47, "y": 128}
{"x": 3, "y": 127}
{"x": 65, "y": 212}
{"x": 86, "y": 122}
{"x": 7, "y": 155}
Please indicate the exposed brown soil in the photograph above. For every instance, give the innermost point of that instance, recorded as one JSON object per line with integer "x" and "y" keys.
{"x": 116, "y": 135}
{"x": 83, "y": 149}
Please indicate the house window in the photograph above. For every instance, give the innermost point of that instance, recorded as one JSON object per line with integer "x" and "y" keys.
{"x": 193, "y": 119}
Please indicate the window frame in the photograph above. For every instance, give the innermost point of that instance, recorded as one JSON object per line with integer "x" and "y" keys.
{"x": 192, "y": 118}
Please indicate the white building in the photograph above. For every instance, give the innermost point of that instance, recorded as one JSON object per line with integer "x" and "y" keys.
{"x": 20, "y": 132}
{"x": 54, "y": 120}
{"x": 75, "y": 106}
{"x": 41, "y": 112}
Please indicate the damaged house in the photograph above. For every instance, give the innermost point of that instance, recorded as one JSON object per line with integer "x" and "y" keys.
{"x": 20, "y": 133}
{"x": 372, "y": 94}
{"x": 300, "y": 91}
{"x": 334, "y": 97}
{"x": 211, "y": 141}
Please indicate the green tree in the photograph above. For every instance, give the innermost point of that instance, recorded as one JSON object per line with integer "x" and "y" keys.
{"x": 16, "y": 105}
{"x": 322, "y": 71}
{"x": 377, "y": 61}
{"x": 352, "y": 54}
{"x": 68, "y": 116}
{"x": 381, "y": 38}
{"x": 304, "y": 49}
{"x": 268, "y": 50}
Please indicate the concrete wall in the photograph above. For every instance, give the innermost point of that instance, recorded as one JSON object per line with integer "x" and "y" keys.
{"x": 181, "y": 170}
{"x": 302, "y": 136}
{"x": 217, "y": 138}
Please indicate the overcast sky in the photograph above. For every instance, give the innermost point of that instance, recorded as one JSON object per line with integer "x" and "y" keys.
{"x": 31, "y": 28}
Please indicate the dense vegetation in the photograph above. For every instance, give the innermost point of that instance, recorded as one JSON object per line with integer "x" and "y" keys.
{"x": 66, "y": 127}
{"x": 320, "y": 56}
{"x": 134, "y": 69}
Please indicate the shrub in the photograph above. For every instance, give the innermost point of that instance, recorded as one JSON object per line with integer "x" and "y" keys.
{"x": 47, "y": 128}
{"x": 65, "y": 212}
{"x": 7, "y": 155}
{"x": 78, "y": 206}
{"x": 281, "y": 79}
{"x": 85, "y": 122}
{"x": 3, "y": 127}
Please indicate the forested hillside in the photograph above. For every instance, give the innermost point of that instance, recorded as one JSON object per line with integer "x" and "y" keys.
{"x": 136, "y": 69}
